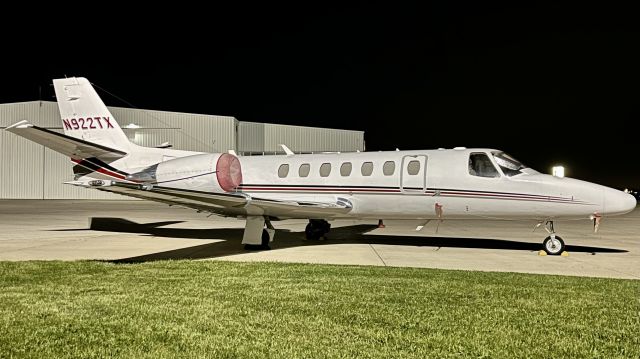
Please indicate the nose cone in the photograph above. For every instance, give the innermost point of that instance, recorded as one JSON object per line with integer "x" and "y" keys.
{"x": 617, "y": 202}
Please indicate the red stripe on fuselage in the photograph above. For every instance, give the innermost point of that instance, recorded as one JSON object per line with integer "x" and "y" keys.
{"x": 457, "y": 194}
{"x": 279, "y": 189}
{"x": 102, "y": 170}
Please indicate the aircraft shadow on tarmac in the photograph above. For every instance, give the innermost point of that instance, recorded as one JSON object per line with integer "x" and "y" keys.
{"x": 355, "y": 234}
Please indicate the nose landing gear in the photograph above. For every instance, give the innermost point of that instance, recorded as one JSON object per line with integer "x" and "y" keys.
{"x": 553, "y": 245}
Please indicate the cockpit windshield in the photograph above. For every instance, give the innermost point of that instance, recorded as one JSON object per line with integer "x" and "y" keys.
{"x": 509, "y": 165}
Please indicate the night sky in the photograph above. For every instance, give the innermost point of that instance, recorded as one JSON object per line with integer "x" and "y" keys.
{"x": 553, "y": 84}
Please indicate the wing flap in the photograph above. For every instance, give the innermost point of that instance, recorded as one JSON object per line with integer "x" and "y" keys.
{"x": 229, "y": 204}
{"x": 68, "y": 146}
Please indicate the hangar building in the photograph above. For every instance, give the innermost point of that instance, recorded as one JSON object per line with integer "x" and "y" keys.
{"x": 31, "y": 171}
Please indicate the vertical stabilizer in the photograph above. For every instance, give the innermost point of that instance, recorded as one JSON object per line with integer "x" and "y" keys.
{"x": 85, "y": 116}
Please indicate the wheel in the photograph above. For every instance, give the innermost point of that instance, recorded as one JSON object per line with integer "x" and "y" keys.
{"x": 316, "y": 229}
{"x": 312, "y": 232}
{"x": 265, "y": 239}
{"x": 252, "y": 247}
{"x": 326, "y": 227}
{"x": 264, "y": 243}
{"x": 553, "y": 245}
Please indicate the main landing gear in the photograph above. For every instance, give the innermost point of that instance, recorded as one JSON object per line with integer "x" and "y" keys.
{"x": 316, "y": 229}
{"x": 259, "y": 232}
{"x": 256, "y": 235}
{"x": 553, "y": 245}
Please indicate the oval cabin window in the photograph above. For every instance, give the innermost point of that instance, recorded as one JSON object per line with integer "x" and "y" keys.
{"x": 283, "y": 170}
{"x": 345, "y": 169}
{"x": 413, "y": 168}
{"x": 388, "y": 168}
{"x": 304, "y": 169}
{"x": 325, "y": 170}
{"x": 367, "y": 169}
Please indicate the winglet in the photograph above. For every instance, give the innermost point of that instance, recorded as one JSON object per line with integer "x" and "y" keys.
{"x": 286, "y": 150}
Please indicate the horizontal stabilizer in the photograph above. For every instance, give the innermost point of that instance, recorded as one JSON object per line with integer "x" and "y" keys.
{"x": 73, "y": 147}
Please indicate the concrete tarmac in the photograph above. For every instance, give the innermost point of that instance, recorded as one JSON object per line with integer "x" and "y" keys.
{"x": 132, "y": 231}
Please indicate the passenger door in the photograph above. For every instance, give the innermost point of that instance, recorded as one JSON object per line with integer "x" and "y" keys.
{"x": 413, "y": 174}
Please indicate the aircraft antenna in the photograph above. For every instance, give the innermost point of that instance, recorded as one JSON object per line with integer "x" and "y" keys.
{"x": 146, "y": 112}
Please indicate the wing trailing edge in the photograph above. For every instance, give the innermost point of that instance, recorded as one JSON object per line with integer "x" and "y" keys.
{"x": 226, "y": 204}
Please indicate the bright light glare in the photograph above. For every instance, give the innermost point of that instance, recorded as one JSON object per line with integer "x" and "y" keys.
{"x": 558, "y": 171}
{"x": 132, "y": 125}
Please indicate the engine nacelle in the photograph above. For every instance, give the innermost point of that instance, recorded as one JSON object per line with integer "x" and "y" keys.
{"x": 211, "y": 172}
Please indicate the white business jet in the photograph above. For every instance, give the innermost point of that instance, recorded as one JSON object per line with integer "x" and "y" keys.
{"x": 424, "y": 185}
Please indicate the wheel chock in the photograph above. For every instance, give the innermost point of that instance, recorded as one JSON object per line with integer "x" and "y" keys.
{"x": 564, "y": 254}
{"x": 542, "y": 253}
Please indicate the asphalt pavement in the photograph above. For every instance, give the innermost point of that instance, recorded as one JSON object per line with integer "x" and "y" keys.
{"x": 135, "y": 231}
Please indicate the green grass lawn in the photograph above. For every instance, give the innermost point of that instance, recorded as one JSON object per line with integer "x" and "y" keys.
{"x": 253, "y": 310}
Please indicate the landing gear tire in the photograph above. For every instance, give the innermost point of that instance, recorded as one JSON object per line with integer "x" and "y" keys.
{"x": 264, "y": 244}
{"x": 553, "y": 245}
{"x": 316, "y": 229}
{"x": 265, "y": 239}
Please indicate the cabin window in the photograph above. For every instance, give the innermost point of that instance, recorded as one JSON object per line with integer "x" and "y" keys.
{"x": 480, "y": 165}
{"x": 388, "y": 168}
{"x": 283, "y": 170}
{"x": 509, "y": 165}
{"x": 325, "y": 170}
{"x": 304, "y": 169}
{"x": 367, "y": 168}
{"x": 413, "y": 168}
{"x": 345, "y": 169}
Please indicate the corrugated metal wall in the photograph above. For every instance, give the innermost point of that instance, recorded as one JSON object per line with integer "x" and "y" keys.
{"x": 250, "y": 137}
{"x": 185, "y": 131}
{"x": 22, "y": 161}
{"x": 31, "y": 171}
{"x": 266, "y": 138}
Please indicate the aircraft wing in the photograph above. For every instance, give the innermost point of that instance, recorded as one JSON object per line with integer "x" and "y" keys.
{"x": 68, "y": 146}
{"x": 229, "y": 204}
